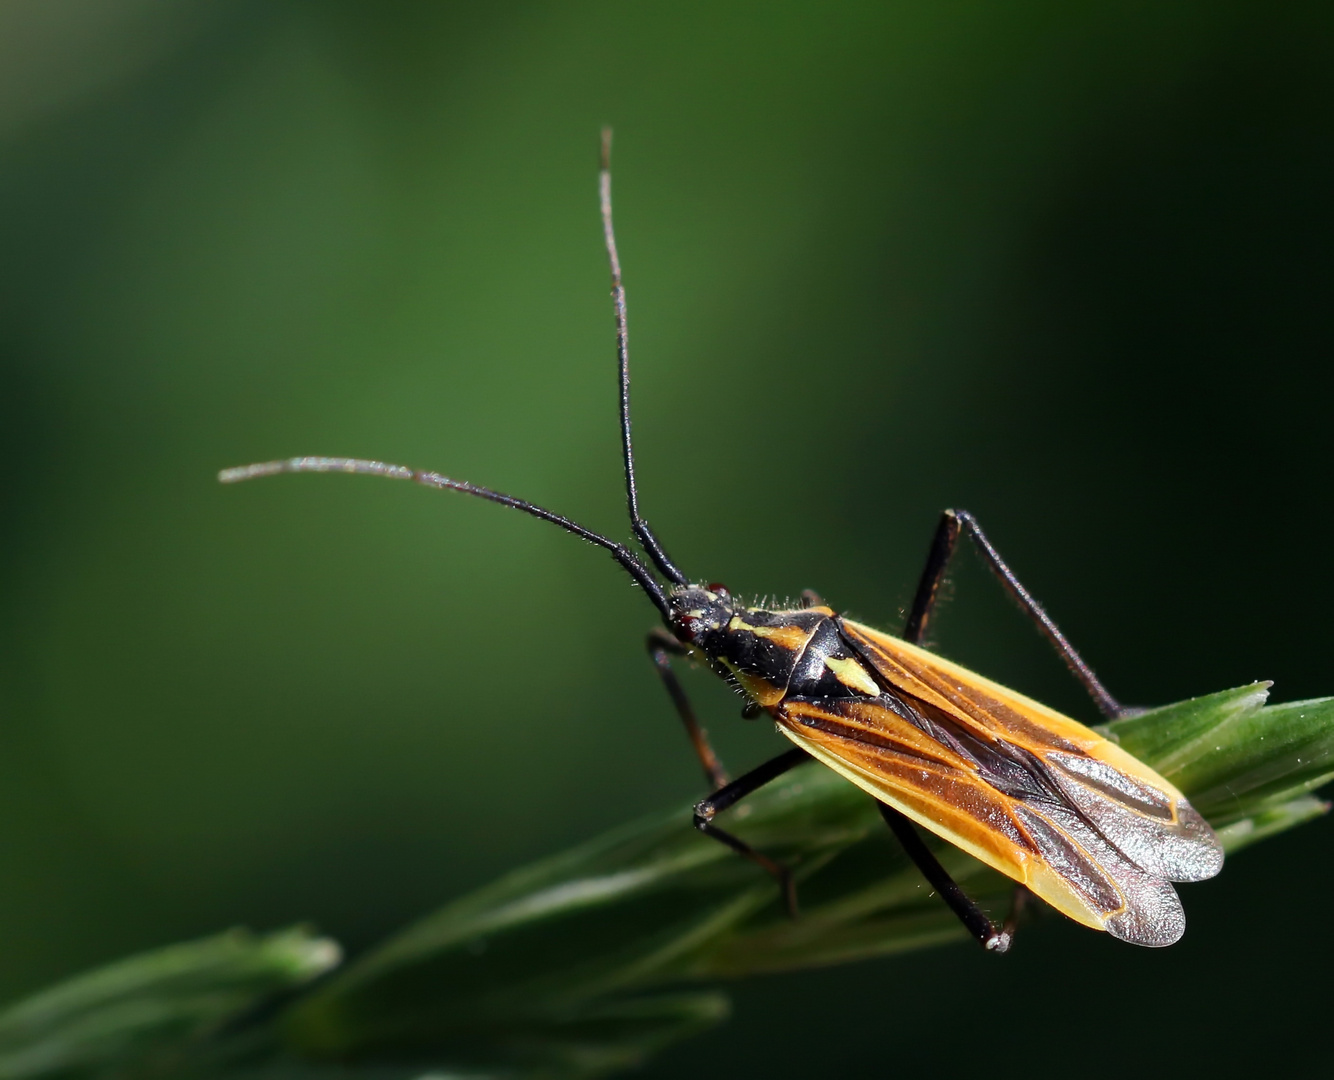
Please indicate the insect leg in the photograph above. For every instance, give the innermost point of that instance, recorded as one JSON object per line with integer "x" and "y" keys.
{"x": 991, "y": 937}
{"x": 956, "y": 522}
{"x": 661, "y": 648}
{"x": 810, "y": 598}
{"x": 707, "y": 809}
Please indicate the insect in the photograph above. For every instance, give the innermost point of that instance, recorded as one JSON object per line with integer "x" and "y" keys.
{"x": 1066, "y": 813}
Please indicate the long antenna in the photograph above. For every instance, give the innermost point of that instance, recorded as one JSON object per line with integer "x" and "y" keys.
{"x": 638, "y": 525}
{"x": 631, "y": 562}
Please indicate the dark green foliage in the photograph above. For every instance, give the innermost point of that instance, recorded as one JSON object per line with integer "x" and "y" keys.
{"x": 147, "y": 1014}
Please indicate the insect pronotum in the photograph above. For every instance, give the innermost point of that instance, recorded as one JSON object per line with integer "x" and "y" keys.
{"x": 1066, "y": 813}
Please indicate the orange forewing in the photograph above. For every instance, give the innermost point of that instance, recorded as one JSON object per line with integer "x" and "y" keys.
{"x": 1100, "y": 842}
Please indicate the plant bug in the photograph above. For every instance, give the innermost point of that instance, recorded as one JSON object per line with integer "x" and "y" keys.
{"x": 1066, "y": 813}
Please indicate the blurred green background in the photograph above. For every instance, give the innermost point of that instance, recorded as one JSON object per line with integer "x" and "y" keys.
{"x": 1065, "y": 265}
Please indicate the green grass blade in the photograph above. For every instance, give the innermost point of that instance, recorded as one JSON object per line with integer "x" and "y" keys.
{"x": 1233, "y": 756}
{"x": 586, "y": 963}
{"x": 152, "y": 1006}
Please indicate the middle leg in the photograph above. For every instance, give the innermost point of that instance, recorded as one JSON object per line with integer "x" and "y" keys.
{"x": 991, "y": 937}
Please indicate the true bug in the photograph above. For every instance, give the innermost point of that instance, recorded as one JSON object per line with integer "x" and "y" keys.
{"x": 1049, "y": 802}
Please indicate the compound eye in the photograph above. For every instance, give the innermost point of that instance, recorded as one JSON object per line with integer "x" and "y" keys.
{"x": 719, "y": 588}
{"x": 689, "y": 625}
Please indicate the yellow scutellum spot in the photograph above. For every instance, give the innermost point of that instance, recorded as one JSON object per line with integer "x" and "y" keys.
{"x": 852, "y": 675}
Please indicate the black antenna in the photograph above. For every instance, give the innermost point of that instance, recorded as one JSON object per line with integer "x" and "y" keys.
{"x": 638, "y": 525}
{"x": 631, "y": 562}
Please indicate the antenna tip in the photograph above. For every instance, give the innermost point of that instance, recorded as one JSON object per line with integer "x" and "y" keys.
{"x": 248, "y": 472}
{"x": 606, "y": 147}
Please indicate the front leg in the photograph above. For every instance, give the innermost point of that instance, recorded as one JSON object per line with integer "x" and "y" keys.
{"x": 661, "y": 648}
